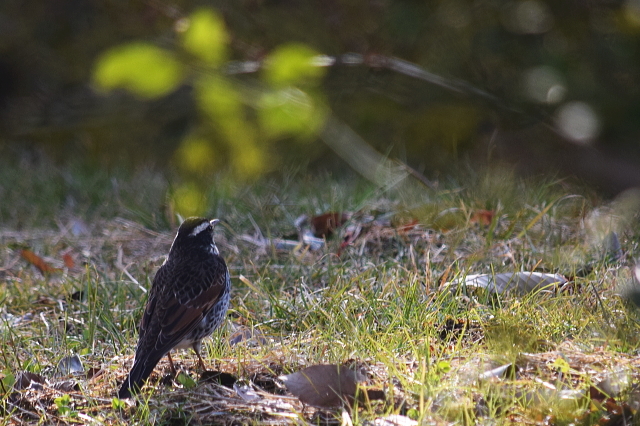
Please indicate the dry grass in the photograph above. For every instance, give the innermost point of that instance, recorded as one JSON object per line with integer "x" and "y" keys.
{"x": 376, "y": 302}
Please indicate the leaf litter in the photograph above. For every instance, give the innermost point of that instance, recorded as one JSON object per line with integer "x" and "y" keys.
{"x": 253, "y": 391}
{"x": 323, "y": 385}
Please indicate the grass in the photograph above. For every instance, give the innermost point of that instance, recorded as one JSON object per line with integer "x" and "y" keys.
{"x": 377, "y": 303}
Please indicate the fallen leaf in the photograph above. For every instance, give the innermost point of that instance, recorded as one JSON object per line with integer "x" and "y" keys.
{"x": 66, "y": 386}
{"x": 518, "y": 282}
{"x": 482, "y": 217}
{"x": 224, "y": 379}
{"x": 617, "y": 414}
{"x": 46, "y": 300}
{"x": 406, "y": 227}
{"x": 94, "y": 372}
{"x": 185, "y": 380}
{"x": 14, "y": 321}
{"x": 250, "y": 336}
{"x": 68, "y": 261}
{"x": 452, "y": 328}
{"x": 325, "y": 224}
{"x": 70, "y": 365}
{"x": 246, "y": 392}
{"x": 78, "y": 295}
{"x": 394, "y": 420}
{"x": 314, "y": 243}
{"x": 27, "y": 380}
{"x": 282, "y": 244}
{"x": 266, "y": 381}
{"x": 507, "y": 370}
{"x": 613, "y": 383}
{"x": 37, "y": 261}
{"x": 323, "y": 385}
{"x": 349, "y": 236}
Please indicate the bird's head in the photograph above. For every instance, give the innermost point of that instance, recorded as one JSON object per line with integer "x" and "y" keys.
{"x": 195, "y": 233}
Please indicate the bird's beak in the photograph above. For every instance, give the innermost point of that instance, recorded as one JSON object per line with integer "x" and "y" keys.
{"x": 214, "y": 222}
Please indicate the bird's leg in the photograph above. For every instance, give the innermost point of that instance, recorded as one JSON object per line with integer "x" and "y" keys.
{"x": 201, "y": 362}
{"x": 173, "y": 369}
{"x": 196, "y": 349}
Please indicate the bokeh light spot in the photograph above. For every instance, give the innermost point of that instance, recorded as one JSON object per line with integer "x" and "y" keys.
{"x": 527, "y": 17}
{"x": 578, "y": 122}
{"x": 544, "y": 84}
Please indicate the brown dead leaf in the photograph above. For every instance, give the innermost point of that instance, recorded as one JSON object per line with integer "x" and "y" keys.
{"x": 222, "y": 378}
{"x": 325, "y": 224}
{"x": 407, "y": 226}
{"x": 94, "y": 372}
{"x": 482, "y": 217}
{"x": 46, "y": 301}
{"x": 78, "y": 295}
{"x": 68, "y": 261}
{"x": 37, "y": 261}
{"x": 26, "y": 379}
{"x": 596, "y": 394}
{"x": 617, "y": 414}
{"x": 323, "y": 385}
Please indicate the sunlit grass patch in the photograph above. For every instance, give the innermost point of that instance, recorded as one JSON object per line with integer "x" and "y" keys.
{"x": 372, "y": 296}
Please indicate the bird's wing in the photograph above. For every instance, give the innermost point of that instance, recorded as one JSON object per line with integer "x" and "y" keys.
{"x": 183, "y": 296}
{"x": 150, "y": 308}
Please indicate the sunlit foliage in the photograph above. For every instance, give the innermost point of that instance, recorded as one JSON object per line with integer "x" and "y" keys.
{"x": 238, "y": 123}
{"x": 142, "y": 68}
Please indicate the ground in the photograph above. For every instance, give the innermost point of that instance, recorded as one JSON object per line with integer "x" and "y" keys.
{"x": 371, "y": 290}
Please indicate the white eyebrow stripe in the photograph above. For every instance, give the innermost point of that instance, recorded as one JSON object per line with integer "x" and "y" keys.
{"x": 198, "y": 229}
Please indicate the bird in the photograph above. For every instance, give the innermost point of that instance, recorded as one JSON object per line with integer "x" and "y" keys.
{"x": 188, "y": 300}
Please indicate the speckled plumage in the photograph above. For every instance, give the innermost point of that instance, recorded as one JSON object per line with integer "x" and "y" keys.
{"x": 188, "y": 300}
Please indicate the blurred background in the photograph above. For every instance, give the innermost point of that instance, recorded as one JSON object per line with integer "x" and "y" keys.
{"x": 247, "y": 87}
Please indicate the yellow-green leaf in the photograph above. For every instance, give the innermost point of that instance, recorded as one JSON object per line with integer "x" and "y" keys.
{"x": 561, "y": 364}
{"x": 186, "y": 381}
{"x": 289, "y": 112}
{"x": 118, "y": 404}
{"x": 206, "y": 36}
{"x": 142, "y": 68}
{"x": 444, "y": 366}
{"x": 292, "y": 64}
{"x": 196, "y": 155}
{"x": 189, "y": 200}
{"x": 7, "y": 380}
{"x": 218, "y": 98}
{"x": 248, "y": 159}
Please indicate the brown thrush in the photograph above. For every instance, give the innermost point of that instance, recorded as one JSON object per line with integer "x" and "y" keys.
{"x": 188, "y": 300}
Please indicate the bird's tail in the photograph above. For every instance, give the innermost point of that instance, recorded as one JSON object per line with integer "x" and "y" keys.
{"x": 139, "y": 373}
